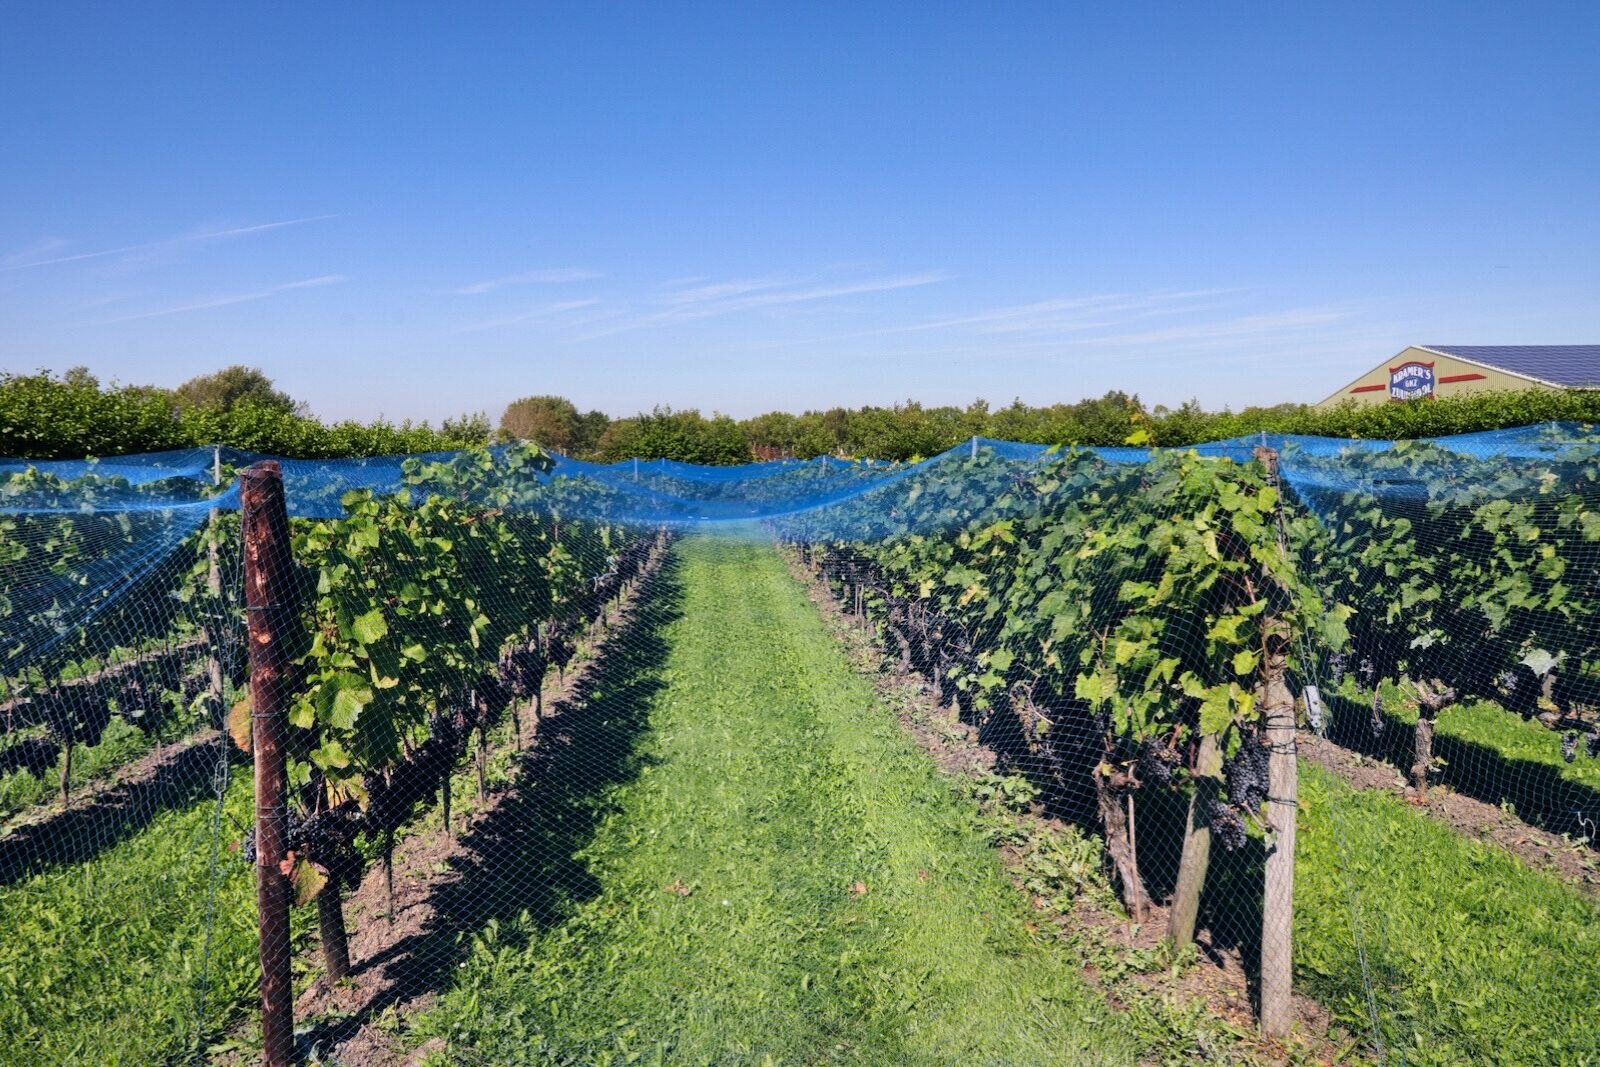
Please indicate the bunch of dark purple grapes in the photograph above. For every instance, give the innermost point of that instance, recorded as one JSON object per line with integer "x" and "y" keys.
{"x": 1226, "y": 826}
{"x": 1246, "y": 773}
{"x": 325, "y": 837}
{"x": 1338, "y": 663}
{"x": 1569, "y": 745}
{"x": 1156, "y": 763}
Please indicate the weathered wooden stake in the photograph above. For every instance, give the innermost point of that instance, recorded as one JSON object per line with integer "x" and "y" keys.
{"x": 66, "y": 766}
{"x": 388, "y": 873}
{"x": 1277, "y": 911}
{"x": 268, "y": 593}
{"x": 1276, "y": 700}
{"x": 481, "y": 712}
{"x": 1196, "y": 858}
{"x": 444, "y": 804}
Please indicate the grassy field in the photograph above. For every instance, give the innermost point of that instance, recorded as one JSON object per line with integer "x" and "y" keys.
{"x": 100, "y": 961}
{"x": 1484, "y": 751}
{"x": 784, "y": 878}
{"x": 1474, "y": 958}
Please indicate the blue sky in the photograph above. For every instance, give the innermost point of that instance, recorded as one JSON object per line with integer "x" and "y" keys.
{"x": 419, "y": 210}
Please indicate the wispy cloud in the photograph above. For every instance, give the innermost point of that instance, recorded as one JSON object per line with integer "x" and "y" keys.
{"x": 1065, "y": 315}
{"x": 729, "y": 297}
{"x": 714, "y": 299}
{"x": 543, "y": 312}
{"x": 1041, "y": 321}
{"x": 233, "y": 298}
{"x": 109, "y": 298}
{"x": 694, "y": 292}
{"x": 40, "y": 251}
{"x": 1243, "y": 339}
{"x": 1167, "y": 325}
{"x": 1268, "y": 325}
{"x": 549, "y": 276}
{"x": 43, "y": 253}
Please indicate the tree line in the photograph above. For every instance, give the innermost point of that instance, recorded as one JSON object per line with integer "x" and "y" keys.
{"x": 912, "y": 430}
{"x": 49, "y": 417}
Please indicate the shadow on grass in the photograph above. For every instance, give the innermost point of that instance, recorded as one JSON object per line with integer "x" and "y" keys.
{"x": 1538, "y": 792}
{"x": 523, "y": 856}
{"x": 89, "y": 826}
{"x": 1062, "y": 769}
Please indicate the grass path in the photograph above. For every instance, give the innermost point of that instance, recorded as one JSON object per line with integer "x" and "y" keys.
{"x": 786, "y": 880}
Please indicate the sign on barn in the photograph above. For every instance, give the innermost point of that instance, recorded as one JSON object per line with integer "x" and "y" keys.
{"x": 1426, "y": 372}
{"x": 1411, "y": 381}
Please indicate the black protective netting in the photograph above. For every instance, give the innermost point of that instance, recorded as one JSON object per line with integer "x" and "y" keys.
{"x": 1308, "y": 713}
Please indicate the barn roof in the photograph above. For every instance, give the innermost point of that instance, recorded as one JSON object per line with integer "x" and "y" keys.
{"x": 1573, "y": 366}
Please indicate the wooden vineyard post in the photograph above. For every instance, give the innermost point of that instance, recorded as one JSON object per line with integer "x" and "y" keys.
{"x": 1283, "y": 789}
{"x": 1277, "y": 909}
{"x": 268, "y": 593}
{"x": 1195, "y": 860}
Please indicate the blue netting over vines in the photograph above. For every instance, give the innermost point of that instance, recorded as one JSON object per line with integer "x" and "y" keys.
{"x": 1114, "y": 629}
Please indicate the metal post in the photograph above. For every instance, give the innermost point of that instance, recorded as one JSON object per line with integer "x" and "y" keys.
{"x": 974, "y": 446}
{"x": 268, "y": 594}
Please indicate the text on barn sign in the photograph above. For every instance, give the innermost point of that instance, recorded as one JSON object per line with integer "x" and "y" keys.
{"x": 1411, "y": 381}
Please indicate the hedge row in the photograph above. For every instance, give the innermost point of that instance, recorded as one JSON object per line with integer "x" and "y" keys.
{"x": 49, "y": 418}
{"x": 44, "y": 417}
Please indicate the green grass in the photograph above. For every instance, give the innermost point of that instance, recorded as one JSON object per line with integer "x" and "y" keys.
{"x": 1475, "y": 958}
{"x": 119, "y": 745}
{"x": 1518, "y": 745}
{"x": 100, "y": 961}
{"x": 727, "y": 921}
{"x": 1514, "y": 738}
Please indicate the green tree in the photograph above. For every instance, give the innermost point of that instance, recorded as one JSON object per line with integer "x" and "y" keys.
{"x": 591, "y": 427}
{"x": 45, "y": 417}
{"x": 233, "y": 387}
{"x": 686, "y": 436}
{"x": 551, "y": 421}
